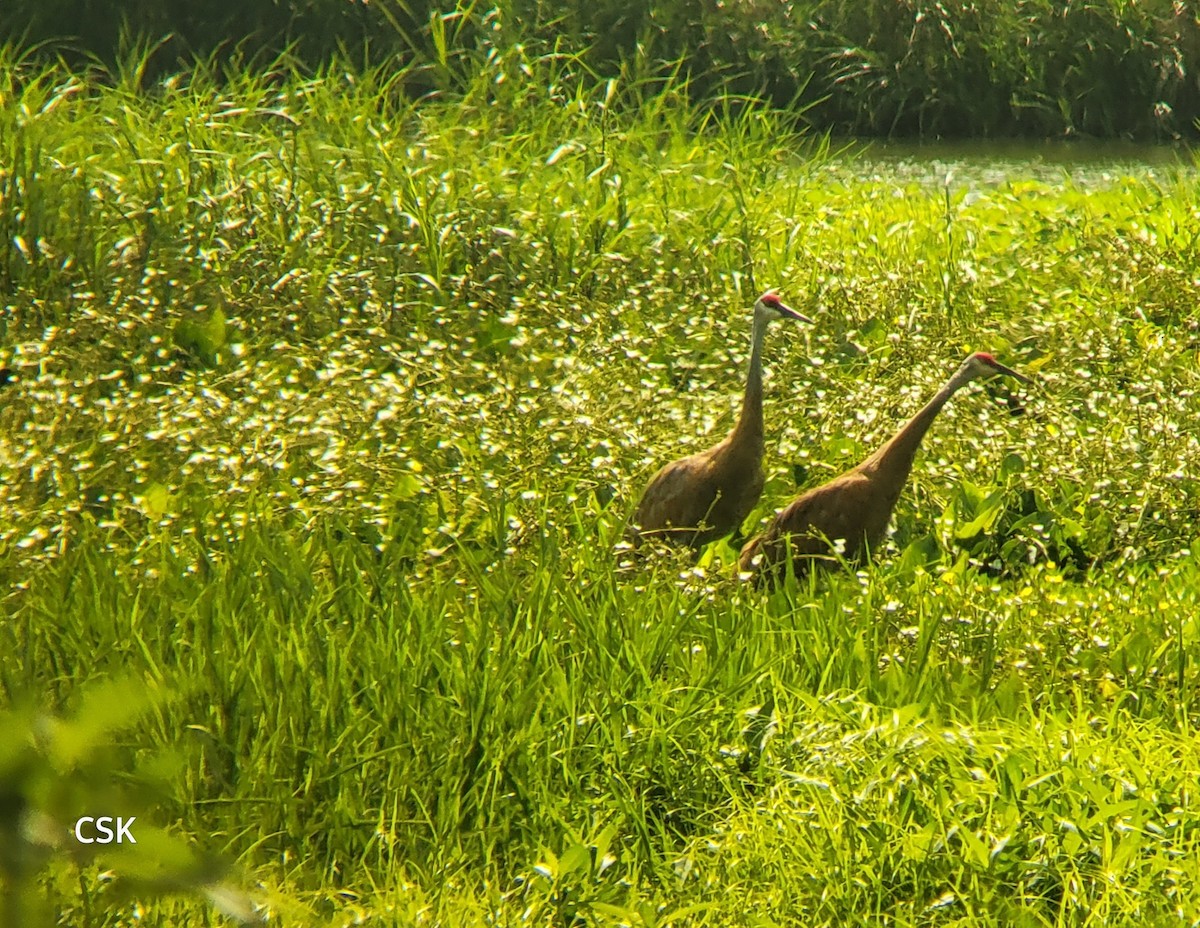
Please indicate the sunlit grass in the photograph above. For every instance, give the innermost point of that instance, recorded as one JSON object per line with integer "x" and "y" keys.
{"x": 363, "y": 529}
{"x": 987, "y": 69}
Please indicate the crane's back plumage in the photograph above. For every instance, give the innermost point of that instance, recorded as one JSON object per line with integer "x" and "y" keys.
{"x": 700, "y": 498}
{"x": 836, "y": 517}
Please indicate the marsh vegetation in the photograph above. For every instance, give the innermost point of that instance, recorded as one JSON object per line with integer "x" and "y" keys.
{"x": 329, "y": 408}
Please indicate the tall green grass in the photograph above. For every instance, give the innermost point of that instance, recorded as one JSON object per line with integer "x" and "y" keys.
{"x": 1102, "y": 68}
{"x": 329, "y": 411}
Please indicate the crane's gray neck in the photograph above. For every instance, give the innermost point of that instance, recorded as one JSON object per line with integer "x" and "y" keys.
{"x": 750, "y": 423}
{"x": 896, "y": 457}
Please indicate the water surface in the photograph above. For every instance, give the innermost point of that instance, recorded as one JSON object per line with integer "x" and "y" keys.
{"x": 1084, "y": 164}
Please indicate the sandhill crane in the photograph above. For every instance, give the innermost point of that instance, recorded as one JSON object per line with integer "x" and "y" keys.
{"x": 856, "y": 507}
{"x": 708, "y": 495}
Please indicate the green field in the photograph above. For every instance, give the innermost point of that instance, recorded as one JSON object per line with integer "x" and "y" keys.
{"x": 328, "y": 411}
{"x": 881, "y": 68}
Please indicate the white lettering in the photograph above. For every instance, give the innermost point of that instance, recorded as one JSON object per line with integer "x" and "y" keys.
{"x": 79, "y": 830}
{"x": 103, "y": 831}
{"x": 102, "y": 827}
{"x": 123, "y": 825}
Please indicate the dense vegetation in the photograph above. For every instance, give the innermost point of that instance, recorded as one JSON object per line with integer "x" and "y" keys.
{"x": 878, "y": 67}
{"x": 327, "y": 411}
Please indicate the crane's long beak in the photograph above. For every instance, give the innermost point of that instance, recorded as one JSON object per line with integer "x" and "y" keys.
{"x": 1009, "y": 372}
{"x": 792, "y": 314}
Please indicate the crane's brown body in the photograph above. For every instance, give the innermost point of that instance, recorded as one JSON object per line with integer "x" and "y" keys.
{"x": 706, "y": 496}
{"x": 703, "y": 497}
{"x": 849, "y": 515}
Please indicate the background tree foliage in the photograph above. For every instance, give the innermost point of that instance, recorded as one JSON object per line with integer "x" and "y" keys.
{"x": 1103, "y": 68}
